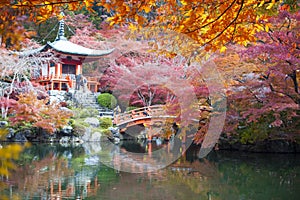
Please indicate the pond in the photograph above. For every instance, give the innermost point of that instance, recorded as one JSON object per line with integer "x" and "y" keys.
{"x": 45, "y": 171}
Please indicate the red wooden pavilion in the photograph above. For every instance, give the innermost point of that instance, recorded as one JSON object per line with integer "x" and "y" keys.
{"x": 61, "y": 75}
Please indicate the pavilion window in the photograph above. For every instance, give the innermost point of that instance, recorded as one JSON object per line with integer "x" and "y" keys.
{"x": 68, "y": 69}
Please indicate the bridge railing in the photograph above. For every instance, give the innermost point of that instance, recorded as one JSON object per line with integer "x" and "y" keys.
{"x": 144, "y": 112}
{"x": 155, "y": 111}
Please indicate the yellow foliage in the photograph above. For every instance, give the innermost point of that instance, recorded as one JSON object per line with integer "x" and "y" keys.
{"x": 223, "y": 49}
{"x": 146, "y": 8}
{"x": 261, "y": 3}
{"x": 271, "y": 5}
{"x": 267, "y": 28}
{"x": 132, "y": 27}
{"x": 183, "y": 2}
{"x": 12, "y": 35}
{"x": 8, "y": 154}
{"x": 211, "y": 24}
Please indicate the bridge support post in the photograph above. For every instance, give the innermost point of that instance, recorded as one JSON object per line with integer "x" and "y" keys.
{"x": 150, "y": 149}
{"x": 149, "y": 136}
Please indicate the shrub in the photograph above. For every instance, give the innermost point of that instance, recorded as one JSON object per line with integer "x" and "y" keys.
{"x": 106, "y": 132}
{"x": 256, "y": 131}
{"x": 107, "y": 100}
{"x": 129, "y": 108}
{"x": 105, "y": 122}
{"x": 84, "y": 113}
{"x": 79, "y": 127}
{"x": 78, "y": 130}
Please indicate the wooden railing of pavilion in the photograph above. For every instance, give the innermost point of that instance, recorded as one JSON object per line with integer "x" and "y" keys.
{"x": 65, "y": 82}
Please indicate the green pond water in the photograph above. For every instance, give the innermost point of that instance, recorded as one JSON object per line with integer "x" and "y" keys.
{"x": 46, "y": 172}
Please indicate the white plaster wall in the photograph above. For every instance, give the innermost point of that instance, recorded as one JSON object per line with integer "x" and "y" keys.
{"x": 45, "y": 70}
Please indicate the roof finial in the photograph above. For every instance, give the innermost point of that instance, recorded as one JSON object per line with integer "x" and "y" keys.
{"x": 61, "y": 28}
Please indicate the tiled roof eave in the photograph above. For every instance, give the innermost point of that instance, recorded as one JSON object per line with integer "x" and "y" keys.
{"x": 94, "y": 52}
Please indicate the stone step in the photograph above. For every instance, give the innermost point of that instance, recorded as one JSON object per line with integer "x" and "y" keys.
{"x": 90, "y": 101}
{"x": 96, "y": 107}
{"x": 87, "y": 100}
{"x": 82, "y": 99}
{"x": 92, "y": 97}
{"x": 85, "y": 97}
{"x": 88, "y": 105}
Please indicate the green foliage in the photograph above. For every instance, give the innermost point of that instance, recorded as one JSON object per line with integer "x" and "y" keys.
{"x": 78, "y": 162}
{"x": 105, "y": 122}
{"x": 79, "y": 127}
{"x": 106, "y": 132}
{"x": 253, "y": 133}
{"x": 25, "y": 126}
{"x": 256, "y": 131}
{"x": 84, "y": 113}
{"x": 129, "y": 108}
{"x": 107, "y": 100}
{"x": 263, "y": 129}
{"x": 77, "y": 121}
{"x": 96, "y": 16}
{"x": 107, "y": 174}
{"x": 293, "y": 5}
{"x": 97, "y": 129}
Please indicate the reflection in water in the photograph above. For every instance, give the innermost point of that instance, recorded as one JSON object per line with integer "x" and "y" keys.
{"x": 142, "y": 157}
{"x": 55, "y": 172}
{"x": 8, "y": 153}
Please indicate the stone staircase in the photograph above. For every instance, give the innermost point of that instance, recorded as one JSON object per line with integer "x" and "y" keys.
{"x": 89, "y": 100}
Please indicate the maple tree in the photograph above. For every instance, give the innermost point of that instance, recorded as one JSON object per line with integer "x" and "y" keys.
{"x": 140, "y": 79}
{"x": 17, "y": 70}
{"x": 30, "y": 111}
{"x": 270, "y": 97}
{"x": 85, "y": 33}
{"x": 210, "y": 23}
{"x": 15, "y": 13}
{"x": 143, "y": 80}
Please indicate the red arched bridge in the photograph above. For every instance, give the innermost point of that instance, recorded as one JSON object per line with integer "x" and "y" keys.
{"x": 150, "y": 115}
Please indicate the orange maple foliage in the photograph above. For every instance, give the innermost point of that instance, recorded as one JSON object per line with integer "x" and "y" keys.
{"x": 210, "y": 23}
{"x": 14, "y": 13}
{"x": 37, "y": 113}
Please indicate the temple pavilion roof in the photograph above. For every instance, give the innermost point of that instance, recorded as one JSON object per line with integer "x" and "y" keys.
{"x": 63, "y": 46}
